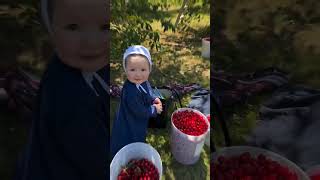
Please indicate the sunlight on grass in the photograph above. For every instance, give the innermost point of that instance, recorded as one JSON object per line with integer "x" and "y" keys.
{"x": 205, "y": 18}
{"x": 183, "y": 48}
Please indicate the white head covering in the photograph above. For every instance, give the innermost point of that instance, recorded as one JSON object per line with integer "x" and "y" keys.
{"x": 45, "y": 15}
{"x": 137, "y": 49}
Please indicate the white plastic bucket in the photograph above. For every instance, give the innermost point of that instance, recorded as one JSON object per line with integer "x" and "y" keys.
{"x": 205, "y": 51}
{"x": 207, "y": 141}
{"x": 136, "y": 150}
{"x": 185, "y": 148}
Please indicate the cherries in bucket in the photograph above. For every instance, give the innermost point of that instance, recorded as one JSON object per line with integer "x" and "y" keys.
{"x": 139, "y": 169}
{"x": 190, "y": 123}
{"x": 136, "y": 161}
{"x": 247, "y": 166}
{"x": 248, "y": 162}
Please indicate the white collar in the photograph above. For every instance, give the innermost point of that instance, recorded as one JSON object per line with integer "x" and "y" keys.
{"x": 88, "y": 77}
{"x": 139, "y": 85}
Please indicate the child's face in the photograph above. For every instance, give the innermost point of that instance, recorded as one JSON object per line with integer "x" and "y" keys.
{"x": 80, "y": 33}
{"x": 138, "y": 69}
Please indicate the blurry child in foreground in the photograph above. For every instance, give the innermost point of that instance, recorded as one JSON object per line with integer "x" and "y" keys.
{"x": 69, "y": 138}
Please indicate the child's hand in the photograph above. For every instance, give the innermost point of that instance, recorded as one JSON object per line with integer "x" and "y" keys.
{"x": 158, "y": 108}
{"x": 157, "y": 101}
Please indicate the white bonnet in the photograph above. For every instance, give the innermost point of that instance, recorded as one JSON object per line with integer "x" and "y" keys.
{"x": 137, "y": 49}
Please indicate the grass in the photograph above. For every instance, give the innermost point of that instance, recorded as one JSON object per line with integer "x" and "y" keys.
{"x": 179, "y": 59}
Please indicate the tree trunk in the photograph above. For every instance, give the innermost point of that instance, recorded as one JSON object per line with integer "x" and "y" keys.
{"x": 182, "y": 9}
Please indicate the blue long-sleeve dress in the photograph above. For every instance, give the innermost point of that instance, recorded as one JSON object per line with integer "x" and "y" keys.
{"x": 131, "y": 122}
{"x": 69, "y": 137}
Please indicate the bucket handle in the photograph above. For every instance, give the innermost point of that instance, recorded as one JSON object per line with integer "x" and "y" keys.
{"x": 220, "y": 118}
{"x": 178, "y": 96}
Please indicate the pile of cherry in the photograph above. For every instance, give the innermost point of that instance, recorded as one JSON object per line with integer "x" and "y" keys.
{"x": 190, "y": 122}
{"x": 139, "y": 169}
{"x": 247, "y": 167}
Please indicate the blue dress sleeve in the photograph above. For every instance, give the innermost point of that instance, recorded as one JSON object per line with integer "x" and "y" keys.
{"x": 137, "y": 107}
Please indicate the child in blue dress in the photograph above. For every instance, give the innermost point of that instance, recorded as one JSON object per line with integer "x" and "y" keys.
{"x": 137, "y": 102}
{"x": 69, "y": 137}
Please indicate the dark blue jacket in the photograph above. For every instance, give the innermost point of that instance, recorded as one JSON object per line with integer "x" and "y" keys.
{"x": 131, "y": 122}
{"x": 70, "y": 131}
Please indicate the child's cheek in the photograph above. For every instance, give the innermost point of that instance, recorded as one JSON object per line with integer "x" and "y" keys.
{"x": 65, "y": 46}
{"x": 70, "y": 50}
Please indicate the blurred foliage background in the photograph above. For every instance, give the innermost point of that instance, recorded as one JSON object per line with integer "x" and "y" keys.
{"x": 251, "y": 35}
